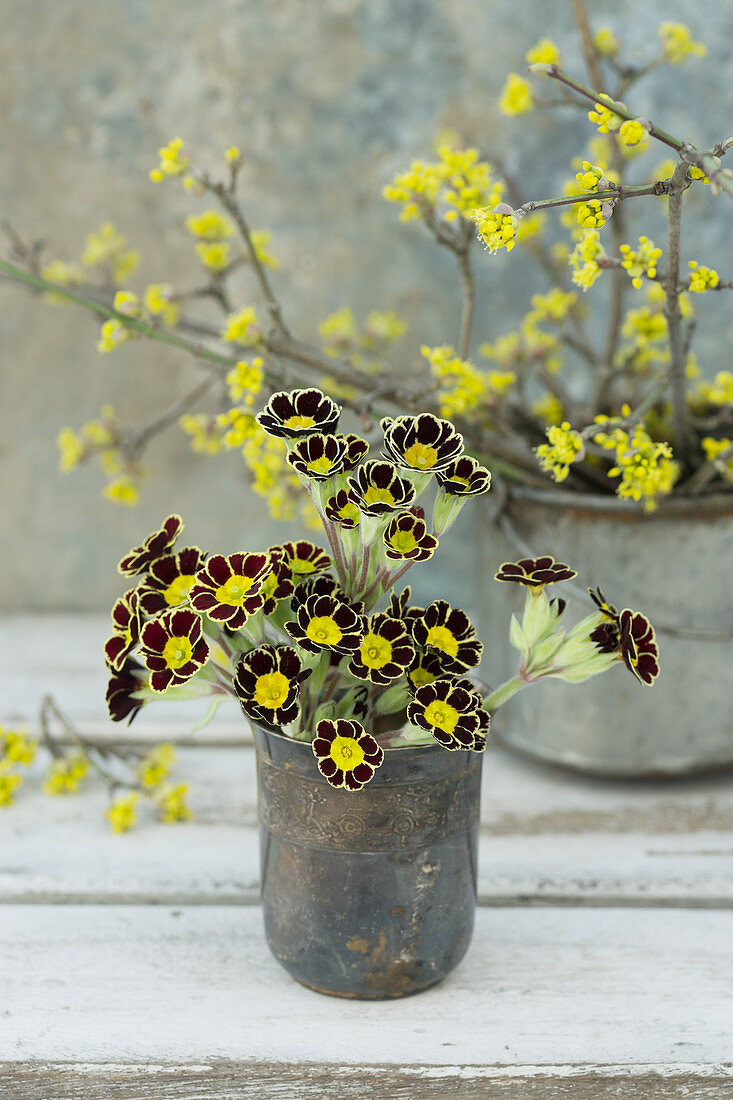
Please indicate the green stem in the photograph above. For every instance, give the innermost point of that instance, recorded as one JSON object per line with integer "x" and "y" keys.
{"x": 504, "y": 692}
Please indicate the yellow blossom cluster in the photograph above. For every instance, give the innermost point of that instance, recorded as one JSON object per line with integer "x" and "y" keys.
{"x": 212, "y": 229}
{"x": 528, "y": 346}
{"x": 122, "y": 813}
{"x": 719, "y": 392}
{"x": 589, "y": 176}
{"x": 584, "y": 259}
{"x": 644, "y": 325}
{"x": 63, "y": 274}
{"x": 65, "y": 773}
{"x": 633, "y": 132}
{"x": 564, "y": 447}
{"x": 276, "y": 481}
{"x": 260, "y": 239}
{"x": 107, "y": 250}
{"x": 454, "y": 185}
{"x": 156, "y": 764}
{"x": 172, "y": 805}
{"x": 463, "y": 389}
{"x": 245, "y": 379}
{"x": 242, "y": 327}
{"x": 678, "y": 44}
{"x": 548, "y": 409}
{"x": 553, "y": 306}
{"x": 713, "y": 449}
{"x": 236, "y": 427}
{"x": 17, "y": 750}
{"x": 590, "y": 214}
{"x": 362, "y": 347}
{"x": 605, "y": 42}
{"x": 205, "y": 432}
{"x": 544, "y": 52}
{"x": 646, "y": 468}
{"x": 702, "y": 278}
{"x": 102, "y": 437}
{"x": 160, "y": 302}
{"x": 516, "y": 96}
{"x": 641, "y": 261}
{"x": 604, "y": 115}
{"x": 173, "y": 162}
{"x": 496, "y": 229}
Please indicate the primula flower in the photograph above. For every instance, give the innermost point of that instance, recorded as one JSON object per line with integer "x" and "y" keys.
{"x": 451, "y": 713}
{"x": 173, "y": 648}
{"x": 298, "y": 413}
{"x": 347, "y": 755}
{"x": 638, "y": 646}
{"x": 535, "y": 573}
{"x": 516, "y": 96}
{"x": 278, "y": 584}
{"x": 356, "y": 450}
{"x": 169, "y": 580}
{"x": 702, "y": 278}
{"x": 377, "y": 488}
{"x": 126, "y": 626}
{"x": 422, "y": 443}
{"x": 464, "y": 477}
{"x": 319, "y": 456}
{"x": 425, "y": 669}
{"x": 229, "y": 590}
{"x": 267, "y": 683}
{"x": 607, "y": 609}
{"x": 323, "y": 623}
{"x": 305, "y": 558}
{"x": 323, "y": 585}
{"x": 130, "y": 678}
{"x": 450, "y": 633}
{"x": 386, "y": 651}
{"x": 565, "y": 447}
{"x": 341, "y": 510}
{"x": 406, "y": 536}
{"x": 154, "y": 546}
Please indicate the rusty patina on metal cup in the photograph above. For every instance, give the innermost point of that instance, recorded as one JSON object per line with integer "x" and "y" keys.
{"x": 368, "y": 894}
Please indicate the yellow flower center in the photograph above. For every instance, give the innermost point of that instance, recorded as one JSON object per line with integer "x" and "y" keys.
{"x": 421, "y": 456}
{"x": 302, "y": 565}
{"x": 373, "y": 495}
{"x": 403, "y": 541}
{"x": 349, "y": 512}
{"x": 346, "y": 753}
{"x": 376, "y": 652}
{"x": 420, "y": 676}
{"x": 323, "y": 631}
{"x": 320, "y": 465}
{"x": 299, "y": 422}
{"x": 441, "y": 638}
{"x": 234, "y": 591}
{"x": 177, "y": 652}
{"x": 442, "y": 715}
{"x": 177, "y": 591}
{"x": 271, "y": 690}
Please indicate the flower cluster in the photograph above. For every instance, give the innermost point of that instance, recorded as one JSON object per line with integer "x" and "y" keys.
{"x": 646, "y": 468}
{"x": 450, "y": 188}
{"x": 497, "y": 228}
{"x": 464, "y": 389}
{"x": 640, "y": 262}
{"x": 702, "y": 278}
{"x": 17, "y": 751}
{"x": 565, "y": 447}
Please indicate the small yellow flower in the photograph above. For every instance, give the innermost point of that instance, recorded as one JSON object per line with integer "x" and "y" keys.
{"x": 584, "y": 259}
{"x": 126, "y": 302}
{"x": 496, "y": 228}
{"x": 214, "y": 256}
{"x": 260, "y": 240}
{"x": 632, "y": 132}
{"x": 156, "y": 764}
{"x": 245, "y": 379}
{"x": 112, "y": 334}
{"x": 544, "y": 52}
{"x": 678, "y": 44}
{"x": 516, "y": 96}
{"x": 590, "y": 214}
{"x": 122, "y": 814}
{"x": 646, "y": 469}
{"x": 604, "y": 116}
{"x": 173, "y": 162}
{"x": 698, "y": 174}
{"x": 122, "y": 490}
{"x": 641, "y": 261}
{"x": 565, "y": 447}
{"x": 241, "y": 327}
{"x": 548, "y": 410}
{"x": 210, "y": 225}
{"x": 605, "y": 42}
{"x": 702, "y": 278}
{"x": 17, "y": 747}
{"x": 9, "y": 783}
{"x": 159, "y": 302}
{"x": 71, "y": 449}
{"x": 172, "y": 804}
{"x": 107, "y": 249}
{"x": 232, "y": 154}
{"x": 589, "y": 176}
{"x": 65, "y": 774}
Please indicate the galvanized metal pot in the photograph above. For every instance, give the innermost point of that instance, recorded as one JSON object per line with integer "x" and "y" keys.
{"x": 368, "y": 894}
{"x": 675, "y": 565}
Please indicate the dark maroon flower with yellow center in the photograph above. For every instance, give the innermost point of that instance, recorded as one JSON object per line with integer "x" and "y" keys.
{"x": 323, "y": 585}
{"x": 173, "y": 647}
{"x": 267, "y": 683}
{"x": 386, "y": 651}
{"x": 229, "y": 590}
{"x": 535, "y": 572}
{"x": 406, "y": 536}
{"x": 319, "y": 456}
{"x": 424, "y": 443}
{"x": 342, "y": 511}
{"x": 123, "y": 683}
{"x": 152, "y": 548}
{"x": 347, "y": 755}
{"x": 638, "y": 646}
{"x": 299, "y": 413}
{"x": 278, "y": 584}
{"x": 452, "y": 713}
{"x": 399, "y": 603}
{"x": 126, "y": 626}
{"x": 305, "y": 558}
{"x": 425, "y": 669}
{"x": 169, "y": 580}
{"x": 449, "y": 633}
{"x": 464, "y": 477}
{"x": 324, "y": 623}
{"x": 377, "y": 488}
{"x": 607, "y": 609}
{"x": 356, "y": 449}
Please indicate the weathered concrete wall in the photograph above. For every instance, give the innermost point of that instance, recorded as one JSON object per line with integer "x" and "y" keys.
{"x": 327, "y": 100}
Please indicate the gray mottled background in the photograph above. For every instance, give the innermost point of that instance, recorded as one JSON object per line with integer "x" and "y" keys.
{"x": 327, "y": 99}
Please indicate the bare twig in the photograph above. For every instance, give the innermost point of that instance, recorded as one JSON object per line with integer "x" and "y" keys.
{"x": 683, "y": 435}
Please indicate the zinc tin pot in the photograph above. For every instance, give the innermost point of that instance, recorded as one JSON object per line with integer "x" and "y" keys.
{"x": 674, "y": 565}
{"x": 368, "y": 894}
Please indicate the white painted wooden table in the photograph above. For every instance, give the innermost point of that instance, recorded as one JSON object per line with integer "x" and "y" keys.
{"x": 136, "y": 967}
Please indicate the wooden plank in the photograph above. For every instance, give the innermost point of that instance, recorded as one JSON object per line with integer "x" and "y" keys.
{"x": 544, "y": 840}
{"x": 258, "y": 1081}
{"x": 190, "y": 985}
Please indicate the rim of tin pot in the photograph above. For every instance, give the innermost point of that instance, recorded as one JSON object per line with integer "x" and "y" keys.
{"x": 273, "y": 731}
{"x": 692, "y": 508}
